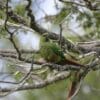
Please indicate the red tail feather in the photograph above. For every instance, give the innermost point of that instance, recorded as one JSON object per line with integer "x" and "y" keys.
{"x": 74, "y": 86}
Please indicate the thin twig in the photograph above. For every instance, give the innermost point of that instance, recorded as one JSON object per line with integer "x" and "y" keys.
{"x": 11, "y": 33}
{"x": 60, "y": 37}
{"x": 23, "y": 79}
{"x": 70, "y": 2}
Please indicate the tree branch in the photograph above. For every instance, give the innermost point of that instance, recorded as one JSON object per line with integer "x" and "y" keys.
{"x": 60, "y": 76}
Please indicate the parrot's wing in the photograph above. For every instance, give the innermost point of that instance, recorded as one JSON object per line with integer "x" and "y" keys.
{"x": 57, "y": 50}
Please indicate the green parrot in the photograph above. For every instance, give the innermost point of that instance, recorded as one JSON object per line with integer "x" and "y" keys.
{"x": 53, "y": 53}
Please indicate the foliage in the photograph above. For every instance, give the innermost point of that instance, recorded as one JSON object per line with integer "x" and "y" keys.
{"x": 87, "y": 18}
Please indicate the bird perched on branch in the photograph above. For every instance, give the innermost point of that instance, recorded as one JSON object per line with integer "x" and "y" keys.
{"x": 53, "y": 53}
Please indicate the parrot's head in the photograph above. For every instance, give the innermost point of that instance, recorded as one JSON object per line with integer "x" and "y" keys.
{"x": 45, "y": 38}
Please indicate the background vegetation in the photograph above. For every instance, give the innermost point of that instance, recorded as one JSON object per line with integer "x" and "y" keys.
{"x": 75, "y": 24}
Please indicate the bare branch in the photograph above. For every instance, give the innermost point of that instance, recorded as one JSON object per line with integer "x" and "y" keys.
{"x": 88, "y": 4}
{"x": 70, "y": 2}
{"x": 91, "y": 46}
{"x": 11, "y": 33}
{"x": 60, "y": 76}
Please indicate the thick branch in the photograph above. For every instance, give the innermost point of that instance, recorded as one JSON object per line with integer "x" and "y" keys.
{"x": 45, "y": 83}
{"x": 91, "y": 46}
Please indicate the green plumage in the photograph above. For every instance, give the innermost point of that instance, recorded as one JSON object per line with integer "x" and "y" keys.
{"x": 51, "y": 52}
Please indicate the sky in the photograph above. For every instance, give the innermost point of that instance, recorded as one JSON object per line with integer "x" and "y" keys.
{"x": 40, "y": 9}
